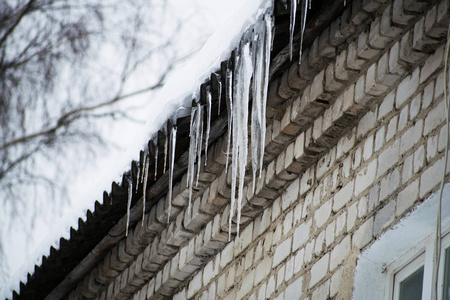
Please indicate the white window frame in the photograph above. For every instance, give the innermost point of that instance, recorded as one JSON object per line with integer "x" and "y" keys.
{"x": 412, "y": 260}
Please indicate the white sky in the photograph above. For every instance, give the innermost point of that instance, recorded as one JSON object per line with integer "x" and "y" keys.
{"x": 25, "y": 244}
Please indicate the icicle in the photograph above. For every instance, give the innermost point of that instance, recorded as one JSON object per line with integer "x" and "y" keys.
{"x": 166, "y": 139}
{"x": 268, "y": 20}
{"x": 138, "y": 177}
{"x": 130, "y": 194}
{"x": 172, "y": 147}
{"x": 199, "y": 139}
{"x": 208, "y": 124}
{"x": 219, "y": 96}
{"x": 229, "y": 99}
{"x": 292, "y": 26}
{"x": 144, "y": 192}
{"x": 244, "y": 73}
{"x": 303, "y": 25}
{"x": 155, "y": 142}
{"x": 192, "y": 154}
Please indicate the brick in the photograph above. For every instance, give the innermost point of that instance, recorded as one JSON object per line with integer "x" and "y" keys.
{"x": 365, "y": 177}
{"x": 301, "y": 235}
{"x": 347, "y": 28}
{"x": 336, "y": 38}
{"x": 376, "y": 39}
{"x": 195, "y": 219}
{"x": 287, "y": 223}
{"x": 387, "y": 27}
{"x": 352, "y": 216}
{"x": 373, "y": 86}
{"x": 284, "y": 90}
{"x": 431, "y": 177}
{"x": 319, "y": 243}
{"x": 226, "y": 255}
{"x": 421, "y": 41}
{"x": 364, "y": 50}
{"x": 195, "y": 284}
{"x": 294, "y": 80}
{"x": 323, "y": 213}
{"x": 407, "y": 197}
{"x": 411, "y": 137}
{"x": 336, "y": 282}
{"x": 366, "y": 123}
{"x": 391, "y": 128}
{"x": 247, "y": 285}
{"x": 383, "y": 75}
{"x": 354, "y": 62}
{"x": 293, "y": 290}
{"x": 435, "y": 118}
{"x": 363, "y": 235}
{"x": 395, "y": 66}
{"x": 331, "y": 83}
{"x": 322, "y": 291}
{"x": 407, "y": 88}
{"x": 388, "y": 158}
{"x": 281, "y": 252}
{"x": 245, "y": 238}
{"x": 399, "y": 16}
{"x": 319, "y": 270}
{"x": 414, "y": 107}
{"x": 345, "y": 144}
{"x": 263, "y": 269}
{"x": 407, "y": 53}
{"x": 384, "y": 218}
{"x": 343, "y": 196}
{"x": 341, "y": 71}
{"x": 288, "y": 127}
{"x": 280, "y": 277}
{"x": 361, "y": 97}
{"x": 389, "y": 184}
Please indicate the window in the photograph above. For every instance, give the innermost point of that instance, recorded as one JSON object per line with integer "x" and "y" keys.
{"x": 413, "y": 280}
{"x": 408, "y": 282}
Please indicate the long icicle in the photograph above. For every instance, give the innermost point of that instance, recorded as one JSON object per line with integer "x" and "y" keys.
{"x": 292, "y": 26}
{"x": 155, "y": 142}
{"x": 268, "y": 19}
{"x": 199, "y": 138}
{"x": 229, "y": 102}
{"x": 234, "y": 149}
{"x": 208, "y": 124}
{"x": 172, "y": 147}
{"x": 144, "y": 192}
{"x": 192, "y": 154}
{"x": 130, "y": 194}
{"x": 247, "y": 71}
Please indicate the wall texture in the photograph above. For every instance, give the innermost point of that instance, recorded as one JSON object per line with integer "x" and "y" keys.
{"x": 355, "y": 140}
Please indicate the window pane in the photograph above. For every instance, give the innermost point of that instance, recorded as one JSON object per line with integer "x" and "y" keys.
{"x": 411, "y": 287}
{"x": 446, "y": 291}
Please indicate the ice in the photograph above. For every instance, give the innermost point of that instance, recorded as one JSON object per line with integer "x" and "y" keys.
{"x": 219, "y": 96}
{"x": 155, "y": 142}
{"x": 303, "y": 24}
{"x": 292, "y": 26}
{"x": 199, "y": 142}
{"x": 192, "y": 154}
{"x": 166, "y": 139}
{"x": 229, "y": 102}
{"x": 243, "y": 71}
{"x": 138, "y": 177}
{"x": 208, "y": 124}
{"x": 144, "y": 187}
{"x": 130, "y": 195}
{"x": 172, "y": 147}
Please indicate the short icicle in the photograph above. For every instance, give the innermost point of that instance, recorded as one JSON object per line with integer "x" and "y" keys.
{"x": 219, "y": 96}
{"x": 144, "y": 186}
{"x": 155, "y": 142}
{"x": 166, "y": 140}
{"x": 130, "y": 195}
{"x": 138, "y": 177}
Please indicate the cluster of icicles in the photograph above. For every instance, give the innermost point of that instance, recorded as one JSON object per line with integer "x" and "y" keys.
{"x": 247, "y": 75}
